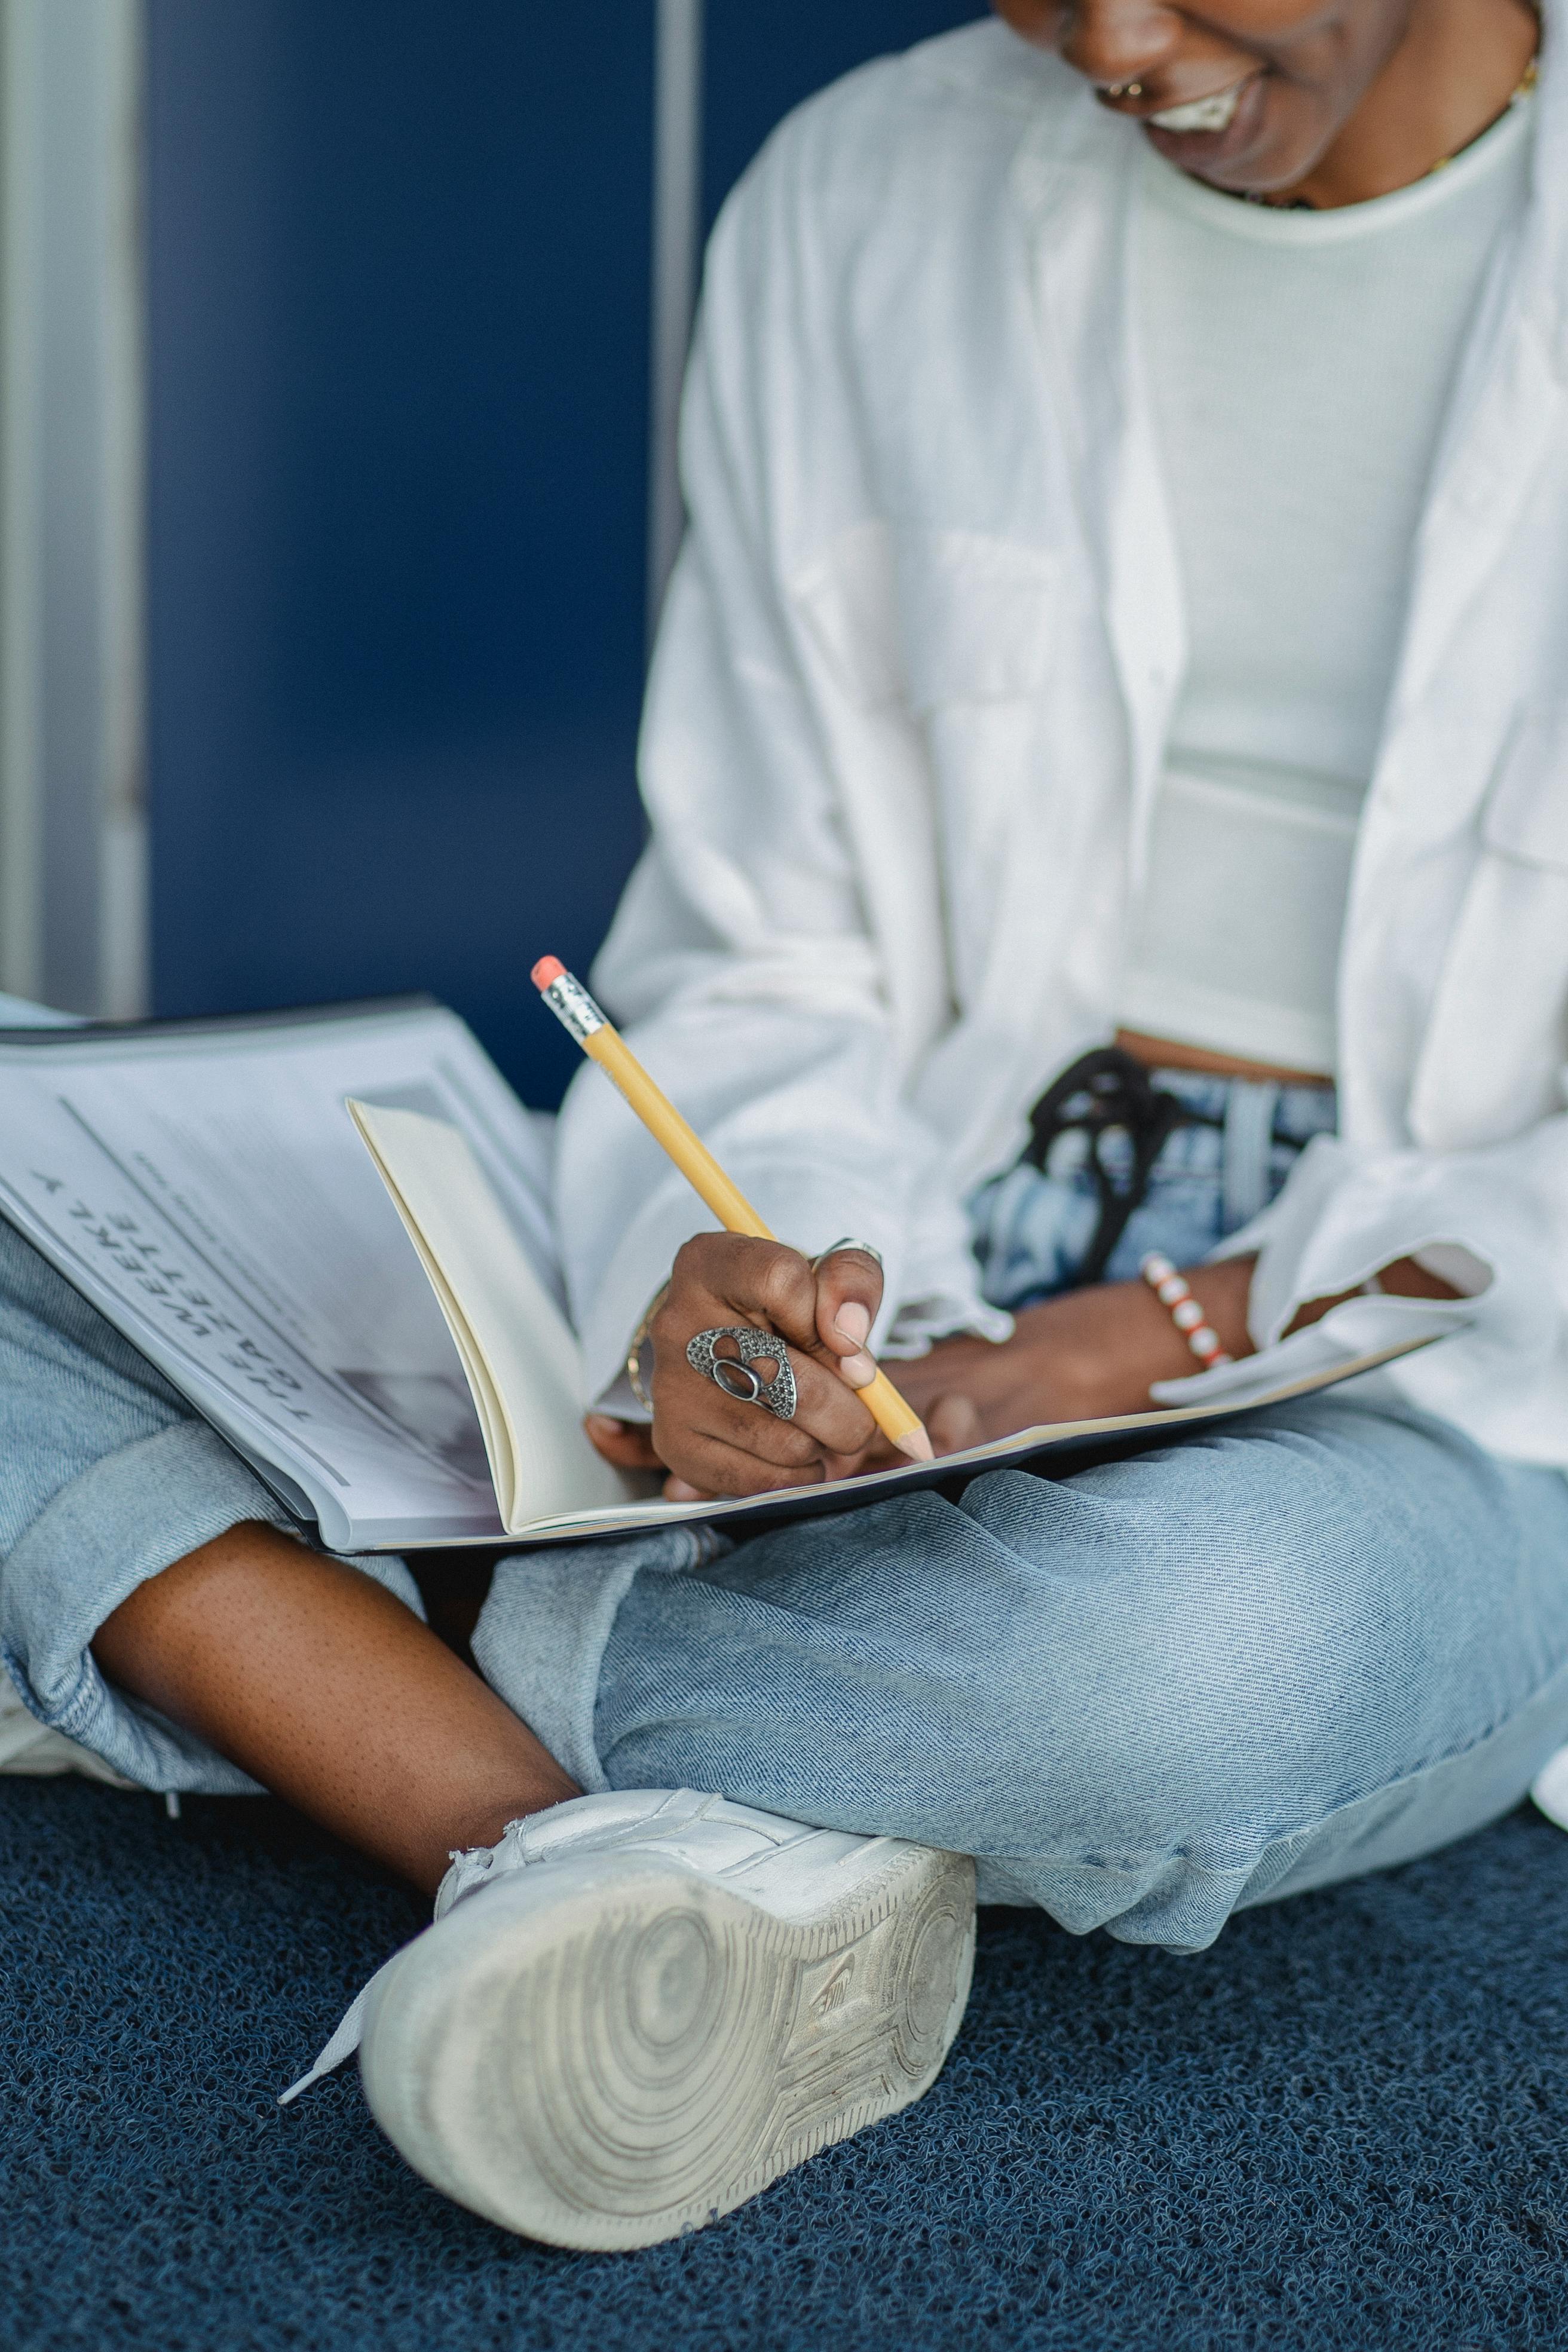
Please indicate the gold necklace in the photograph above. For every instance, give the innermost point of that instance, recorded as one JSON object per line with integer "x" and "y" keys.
{"x": 1531, "y": 76}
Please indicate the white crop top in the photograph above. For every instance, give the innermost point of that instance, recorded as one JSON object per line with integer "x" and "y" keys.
{"x": 1300, "y": 365}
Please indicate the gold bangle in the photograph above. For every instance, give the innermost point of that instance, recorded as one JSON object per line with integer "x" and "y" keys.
{"x": 639, "y": 1342}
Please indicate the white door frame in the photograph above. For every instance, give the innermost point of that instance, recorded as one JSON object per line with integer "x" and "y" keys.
{"x": 676, "y": 249}
{"x": 73, "y": 858}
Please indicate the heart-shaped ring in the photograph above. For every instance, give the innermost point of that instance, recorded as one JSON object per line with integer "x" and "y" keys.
{"x": 735, "y": 1374}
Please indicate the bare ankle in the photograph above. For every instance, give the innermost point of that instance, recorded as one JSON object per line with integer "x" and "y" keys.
{"x": 318, "y": 1682}
{"x": 486, "y": 1822}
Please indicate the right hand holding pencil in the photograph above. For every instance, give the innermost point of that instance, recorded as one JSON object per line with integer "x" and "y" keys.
{"x": 603, "y": 1042}
{"x": 715, "y": 1445}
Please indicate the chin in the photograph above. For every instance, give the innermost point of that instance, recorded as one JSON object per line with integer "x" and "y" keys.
{"x": 1266, "y": 149}
{"x": 1269, "y": 175}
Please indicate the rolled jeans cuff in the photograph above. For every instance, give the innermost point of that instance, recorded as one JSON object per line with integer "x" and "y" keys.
{"x": 128, "y": 1515}
{"x": 541, "y": 1637}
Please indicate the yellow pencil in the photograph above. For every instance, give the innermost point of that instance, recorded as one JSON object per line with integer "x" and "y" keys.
{"x": 603, "y": 1042}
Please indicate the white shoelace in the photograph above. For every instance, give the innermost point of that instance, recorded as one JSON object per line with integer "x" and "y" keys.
{"x": 472, "y": 1868}
{"x": 343, "y": 2042}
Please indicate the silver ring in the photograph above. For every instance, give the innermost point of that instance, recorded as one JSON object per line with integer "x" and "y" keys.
{"x": 845, "y": 1241}
{"x": 735, "y": 1374}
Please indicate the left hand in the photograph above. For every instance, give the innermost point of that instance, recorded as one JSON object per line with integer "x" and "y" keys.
{"x": 1082, "y": 1357}
{"x": 1094, "y": 1353}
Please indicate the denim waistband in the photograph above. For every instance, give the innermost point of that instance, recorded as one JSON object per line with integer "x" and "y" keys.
{"x": 1260, "y": 1118}
{"x": 1033, "y": 1228}
{"x": 1292, "y": 1111}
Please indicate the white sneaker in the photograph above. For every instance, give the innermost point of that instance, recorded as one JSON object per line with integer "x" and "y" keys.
{"x": 640, "y": 2007}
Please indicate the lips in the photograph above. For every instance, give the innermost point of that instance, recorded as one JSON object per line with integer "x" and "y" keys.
{"x": 1201, "y": 114}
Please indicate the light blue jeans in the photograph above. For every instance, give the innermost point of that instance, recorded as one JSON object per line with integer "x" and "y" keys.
{"x": 1315, "y": 1644}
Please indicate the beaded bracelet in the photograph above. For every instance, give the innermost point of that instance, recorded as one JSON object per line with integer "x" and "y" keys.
{"x": 1173, "y": 1290}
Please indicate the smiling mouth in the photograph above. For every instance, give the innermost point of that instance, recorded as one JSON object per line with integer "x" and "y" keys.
{"x": 1217, "y": 114}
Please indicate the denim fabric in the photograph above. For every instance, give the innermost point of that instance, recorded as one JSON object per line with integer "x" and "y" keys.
{"x": 1032, "y": 1228}
{"x": 1323, "y": 1641}
{"x": 106, "y": 1477}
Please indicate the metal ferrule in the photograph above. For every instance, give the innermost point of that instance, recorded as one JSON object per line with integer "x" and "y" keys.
{"x": 573, "y": 1007}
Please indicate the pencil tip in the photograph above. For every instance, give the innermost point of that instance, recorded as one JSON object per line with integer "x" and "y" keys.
{"x": 916, "y": 1445}
{"x": 547, "y": 972}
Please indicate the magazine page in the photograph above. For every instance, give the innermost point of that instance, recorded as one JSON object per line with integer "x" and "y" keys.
{"x": 204, "y": 1186}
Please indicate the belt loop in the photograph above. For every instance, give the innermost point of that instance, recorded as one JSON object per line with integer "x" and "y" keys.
{"x": 1250, "y": 1106}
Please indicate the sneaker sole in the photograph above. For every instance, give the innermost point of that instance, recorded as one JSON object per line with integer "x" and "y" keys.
{"x": 619, "y": 2049}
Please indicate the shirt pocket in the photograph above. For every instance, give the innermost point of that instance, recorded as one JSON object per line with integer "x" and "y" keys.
{"x": 908, "y": 616}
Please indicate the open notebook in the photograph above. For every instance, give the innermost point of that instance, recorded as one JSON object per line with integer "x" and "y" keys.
{"x": 521, "y": 1360}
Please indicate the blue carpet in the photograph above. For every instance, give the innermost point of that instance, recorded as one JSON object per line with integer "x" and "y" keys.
{"x": 1346, "y": 2126}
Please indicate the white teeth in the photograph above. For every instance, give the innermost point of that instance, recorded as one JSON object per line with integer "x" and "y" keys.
{"x": 1202, "y": 113}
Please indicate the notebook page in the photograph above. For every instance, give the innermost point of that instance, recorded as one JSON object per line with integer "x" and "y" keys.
{"x": 516, "y": 1348}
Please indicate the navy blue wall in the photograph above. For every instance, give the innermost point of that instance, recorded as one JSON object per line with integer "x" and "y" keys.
{"x": 398, "y": 329}
{"x": 765, "y": 55}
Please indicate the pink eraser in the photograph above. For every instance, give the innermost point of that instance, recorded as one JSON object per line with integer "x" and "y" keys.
{"x": 547, "y": 972}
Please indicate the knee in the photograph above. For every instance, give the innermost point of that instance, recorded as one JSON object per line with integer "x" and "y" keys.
{"x": 1190, "y": 1685}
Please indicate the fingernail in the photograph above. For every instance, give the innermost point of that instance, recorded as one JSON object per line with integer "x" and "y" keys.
{"x": 603, "y": 1423}
{"x": 676, "y": 1490}
{"x": 854, "y": 1321}
{"x": 859, "y": 1370}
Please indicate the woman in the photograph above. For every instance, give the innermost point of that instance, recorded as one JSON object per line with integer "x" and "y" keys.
{"x": 1104, "y": 760}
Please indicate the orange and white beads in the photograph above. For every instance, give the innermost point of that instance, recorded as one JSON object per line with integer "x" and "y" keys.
{"x": 1173, "y": 1290}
